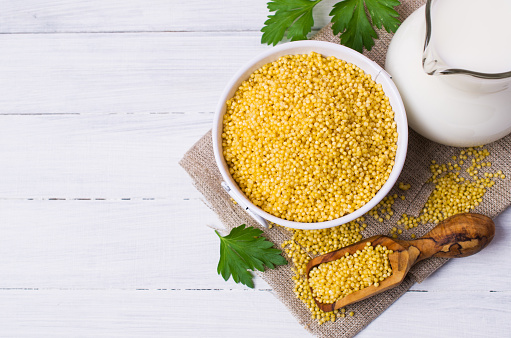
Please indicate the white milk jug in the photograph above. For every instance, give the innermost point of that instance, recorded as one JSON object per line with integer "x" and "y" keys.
{"x": 451, "y": 61}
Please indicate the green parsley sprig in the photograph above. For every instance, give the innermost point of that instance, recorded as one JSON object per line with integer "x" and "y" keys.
{"x": 349, "y": 18}
{"x": 245, "y": 249}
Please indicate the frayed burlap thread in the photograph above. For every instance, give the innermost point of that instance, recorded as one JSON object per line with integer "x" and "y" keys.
{"x": 200, "y": 164}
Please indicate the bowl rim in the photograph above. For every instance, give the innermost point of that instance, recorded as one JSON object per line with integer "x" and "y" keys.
{"x": 341, "y": 52}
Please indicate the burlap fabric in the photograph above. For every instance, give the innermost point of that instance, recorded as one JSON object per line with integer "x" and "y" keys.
{"x": 199, "y": 162}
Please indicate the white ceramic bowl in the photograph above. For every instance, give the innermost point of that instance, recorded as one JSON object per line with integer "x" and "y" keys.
{"x": 326, "y": 49}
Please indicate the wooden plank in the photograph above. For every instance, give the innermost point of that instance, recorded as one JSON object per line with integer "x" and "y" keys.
{"x": 162, "y": 244}
{"x": 119, "y": 73}
{"x": 215, "y": 313}
{"x": 77, "y": 244}
{"x": 98, "y": 156}
{"x": 153, "y": 313}
{"x": 445, "y": 314}
{"x": 139, "y": 15}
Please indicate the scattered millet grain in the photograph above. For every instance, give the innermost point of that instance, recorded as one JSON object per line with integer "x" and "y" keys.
{"x": 384, "y": 208}
{"x": 404, "y": 186}
{"x": 454, "y": 193}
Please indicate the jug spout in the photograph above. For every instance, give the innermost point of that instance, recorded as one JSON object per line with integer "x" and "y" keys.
{"x": 450, "y": 50}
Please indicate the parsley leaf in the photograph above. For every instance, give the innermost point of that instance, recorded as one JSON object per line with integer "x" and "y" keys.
{"x": 350, "y": 19}
{"x": 383, "y": 14}
{"x": 295, "y": 16}
{"x": 245, "y": 249}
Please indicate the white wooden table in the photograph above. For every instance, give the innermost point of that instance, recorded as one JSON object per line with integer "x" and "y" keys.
{"x": 102, "y": 233}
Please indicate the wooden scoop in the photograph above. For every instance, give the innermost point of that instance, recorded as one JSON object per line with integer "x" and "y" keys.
{"x": 457, "y": 236}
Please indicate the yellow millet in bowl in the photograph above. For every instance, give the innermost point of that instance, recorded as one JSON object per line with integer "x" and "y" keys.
{"x": 308, "y": 138}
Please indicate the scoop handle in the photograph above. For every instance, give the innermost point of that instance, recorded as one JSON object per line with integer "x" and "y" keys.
{"x": 460, "y": 235}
